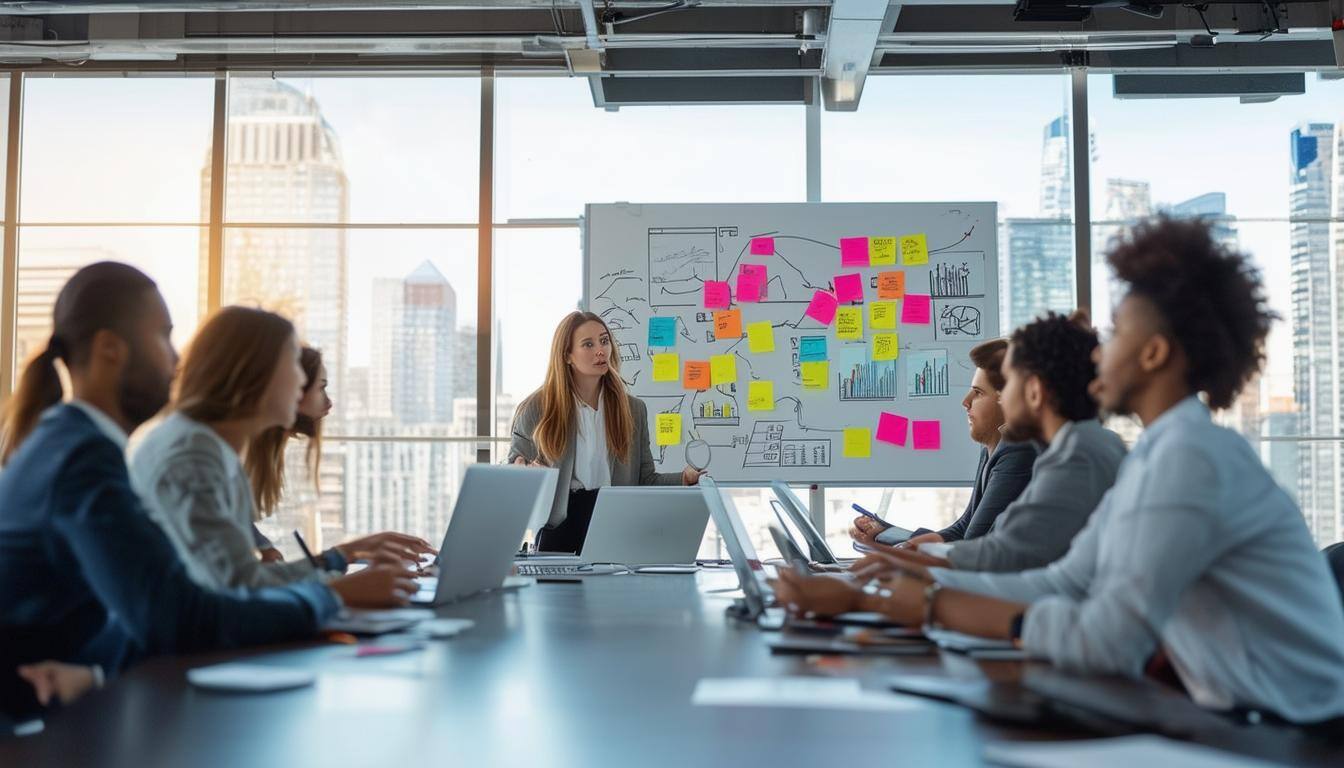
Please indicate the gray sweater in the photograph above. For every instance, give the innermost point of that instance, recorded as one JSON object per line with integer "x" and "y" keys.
{"x": 1067, "y": 484}
{"x": 638, "y": 472}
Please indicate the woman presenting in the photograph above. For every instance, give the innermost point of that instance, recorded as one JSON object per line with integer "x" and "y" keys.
{"x": 583, "y": 423}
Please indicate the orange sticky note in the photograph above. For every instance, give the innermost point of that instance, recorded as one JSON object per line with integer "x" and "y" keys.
{"x": 695, "y": 375}
{"x": 891, "y": 285}
{"x": 728, "y": 324}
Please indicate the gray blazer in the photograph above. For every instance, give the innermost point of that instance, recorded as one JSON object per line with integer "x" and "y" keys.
{"x": 1067, "y": 484}
{"x": 525, "y": 421}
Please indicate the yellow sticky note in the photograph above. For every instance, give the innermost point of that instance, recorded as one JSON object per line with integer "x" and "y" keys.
{"x": 914, "y": 250}
{"x": 886, "y": 346}
{"x": 760, "y": 337}
{"x": 722, "y": 369}
{"x": 882, "y": 251}
{"x": 882, "y": 314}
{"x": 761, "y": 396}
{"x": 666, "y": 366}
{"x": 816, "y": 374}
{"x": 858, "y": 443}
{"x": 849, "y": 322}
{"x": 669, "y": 428}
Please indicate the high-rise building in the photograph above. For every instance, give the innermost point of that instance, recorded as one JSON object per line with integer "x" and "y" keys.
{"x": 1281, "y": 456}
{"x": 1036, "y": 268}
{"x": 1211, "y": 206}
{"x": 1315, "y": 302}
{"x": 283, "y": 164}
{"x": 38, "y": 285}
{"x": 422, "y": 359}
{"x": 1056, "y": 171}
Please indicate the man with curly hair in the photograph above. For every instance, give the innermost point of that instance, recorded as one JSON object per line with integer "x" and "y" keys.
{"x": 1196, "y": 558}
{"x": 1046, "y": 373}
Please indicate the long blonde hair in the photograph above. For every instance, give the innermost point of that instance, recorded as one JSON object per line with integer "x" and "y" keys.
{"x": 265, "y": 455}
{"x": 558, "y": 407}
{"x": 230, "y": 363}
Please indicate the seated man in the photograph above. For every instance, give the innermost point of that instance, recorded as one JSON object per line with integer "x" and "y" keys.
{"x": 1047, "y": 371}
{"x": 1196, "y": 554}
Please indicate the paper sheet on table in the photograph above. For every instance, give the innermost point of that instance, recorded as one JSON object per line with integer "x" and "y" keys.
{"x": 797, "y": 691}
{"x": 255, "y": 678}
{"x": 1123, "y": 752}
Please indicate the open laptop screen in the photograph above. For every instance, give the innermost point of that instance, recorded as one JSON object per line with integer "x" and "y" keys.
{"x": 750, "y": 572}
{"x": 793, "y": 516}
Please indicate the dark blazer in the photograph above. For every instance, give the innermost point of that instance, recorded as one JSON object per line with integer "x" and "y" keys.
{"x": 1009, "y": 472}
{"x": 94, "y": 581}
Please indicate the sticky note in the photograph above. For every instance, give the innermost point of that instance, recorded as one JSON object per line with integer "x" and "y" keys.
{"x": 816, "y": 374}
{"x": 858, "y": 443}
{"x": 751, "y": 279}
{"x": 882, "y": 251}
{"x": 717, "y": 295}
{"x": 916, "y": 309}
{"x": 886, "y": 346}
{"x": 722, "y": 369}
{"x": 914, "y": 250}
{"x": 811, "y": 348}
{"x": 728, "y": 324}
{"x": 882, "y": 314}
{"x": 892, "y": 428}
{"x": 822, "y": 307}
{"x": 662, "y": 331}
{"x": 849, "y": 323}
{"x": 928, "y": 435}
{"x": 891, "y": 285}
{"x": 666, "y": 366}
{"x": 762, "y": 246}
{"x": 849, "y": 288}
{"x": 695, "y": 375}
{"x": 761, "y": 396}
{"x": 669, "y": 428}
{"x": 854, "y": 251}
{"x": 760, "y": 337}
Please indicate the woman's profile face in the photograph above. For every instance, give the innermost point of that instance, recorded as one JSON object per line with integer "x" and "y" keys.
{"x": 316, "y": 403}
{"x": 280, "y": 403}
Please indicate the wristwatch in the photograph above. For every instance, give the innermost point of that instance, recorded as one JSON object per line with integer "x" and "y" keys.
{"x": 930, "y": 595}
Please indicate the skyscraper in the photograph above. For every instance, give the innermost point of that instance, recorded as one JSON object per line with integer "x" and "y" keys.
{"x": 1036, "y": 269}
{"x": 1315, "y": 302}
{"x": 422, "y": 358}
{"x": 1281, "y": 457}
{"x": 284, "y": 165}
{"x": 1056, "y": 170}
{"x": 38, "y": 285}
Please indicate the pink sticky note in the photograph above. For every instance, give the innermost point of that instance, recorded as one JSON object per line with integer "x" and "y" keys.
{"x": 915, "y": 309}
{"x": 718, "y": 295}
{"x": 750, "y": 282}
{"x": 892, "y": 428}
{"x": 822, "y": 308}
{"x": 928, "y": 435}
{"x": 849, "y": 288}
{"x": 853, "y": 251}
{"x": 762, "y": 246}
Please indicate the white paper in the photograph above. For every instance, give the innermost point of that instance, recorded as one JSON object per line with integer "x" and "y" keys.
{"x": 437, "y": 629}
{"x": 936, "y": 548}
{"x": 249, "y": 677}
{"x": 805, "y": 692}
{"x": 1124, "y": 752}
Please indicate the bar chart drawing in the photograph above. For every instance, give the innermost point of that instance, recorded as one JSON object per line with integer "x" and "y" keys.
{"x": 874, "y": 380}
{"x": 957, "y": 276}
{"x": 926, "y": 373}
{"x": 711, "y": 414}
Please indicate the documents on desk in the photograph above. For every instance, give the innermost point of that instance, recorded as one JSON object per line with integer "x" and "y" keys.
{"x": 796, "y": 691}
{"x": 1120, "y": 752}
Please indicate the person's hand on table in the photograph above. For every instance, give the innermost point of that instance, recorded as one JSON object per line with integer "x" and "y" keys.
{"x": 387, "y": 547}
{"x": 378, "y": 586}
{"x": 821, "y": 595}
{"x": 865, "y": 530}
{"x": 890, "y": 561}
{"x": 521, "y": 461}
{"x": 691, "y": 476}
{"x": 59, "y": 681}
{"x": 271, "y": 555}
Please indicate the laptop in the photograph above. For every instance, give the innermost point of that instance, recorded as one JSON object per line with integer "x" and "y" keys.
{"x": 793, "y": 516}
{"x": 756, "y": 593}
{"x": 491, "y": 513}
{"x": 634, "y": 526}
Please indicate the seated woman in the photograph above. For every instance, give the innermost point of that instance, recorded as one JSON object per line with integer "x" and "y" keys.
{"x": 1002, "y": 473}
{"x": 582, "y": 422}
{"x": 240, "y": 377}
{"x": 264, "y": 458}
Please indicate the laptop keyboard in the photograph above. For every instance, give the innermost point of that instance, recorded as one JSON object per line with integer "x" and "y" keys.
{"x": 551, "y": 570}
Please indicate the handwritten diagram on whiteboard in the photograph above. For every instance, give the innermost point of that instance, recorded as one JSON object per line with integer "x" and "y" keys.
{"x": 811, "y": 342}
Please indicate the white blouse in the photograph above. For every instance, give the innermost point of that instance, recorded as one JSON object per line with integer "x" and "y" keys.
{"x": 592, "y": 468}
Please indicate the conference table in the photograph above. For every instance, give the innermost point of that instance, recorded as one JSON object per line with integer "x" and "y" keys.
{"x": 600, "y": 672}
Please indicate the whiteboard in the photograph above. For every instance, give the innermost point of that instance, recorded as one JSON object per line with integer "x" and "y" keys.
{"x": 647, "y": 261}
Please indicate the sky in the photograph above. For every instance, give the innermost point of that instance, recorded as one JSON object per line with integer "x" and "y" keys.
{"x": 132, "y": 150}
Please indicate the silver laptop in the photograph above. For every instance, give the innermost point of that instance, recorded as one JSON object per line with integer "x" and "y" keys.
{"x": 793, "y": 516}
{"x": 491, "y": 513}
{"x": 634, "y": 526}
{"x": 757, "y": 595}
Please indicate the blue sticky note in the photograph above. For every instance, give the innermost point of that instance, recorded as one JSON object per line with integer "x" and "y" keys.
{"x": 811, "y": 348}
{"x": 662, "y": 331}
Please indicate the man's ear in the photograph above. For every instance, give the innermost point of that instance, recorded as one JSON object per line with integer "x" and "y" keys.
{"x": 1155, "y": 354}
{"x": 1034, "y": 392}
{"x": 109, "y": 350}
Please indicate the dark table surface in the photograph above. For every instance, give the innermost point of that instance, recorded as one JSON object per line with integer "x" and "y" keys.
{"x": 598, "y": 673}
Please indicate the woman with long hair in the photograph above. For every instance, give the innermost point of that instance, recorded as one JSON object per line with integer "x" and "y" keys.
{"x": 239, "y": 378}
{"x": 265, "y": 454}
{"x": 584, "y": 423}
